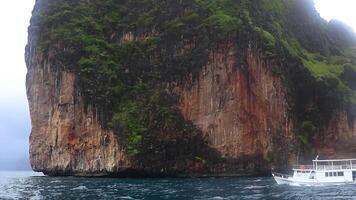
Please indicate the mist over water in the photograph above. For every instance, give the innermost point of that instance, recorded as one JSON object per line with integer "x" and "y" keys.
{"x": 27, "y": 185}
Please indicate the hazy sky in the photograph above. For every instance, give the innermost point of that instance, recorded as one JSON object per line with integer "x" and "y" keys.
{"x": 14, "y": 116}
{"x": 343, "y": 10}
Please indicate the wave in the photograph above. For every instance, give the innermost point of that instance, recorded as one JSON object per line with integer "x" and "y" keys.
{"x": 80, "y": 188}
{"x": 254, "y": 187}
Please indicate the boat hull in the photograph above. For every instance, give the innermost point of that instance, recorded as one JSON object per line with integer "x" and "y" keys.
{"x": 281, "y": 181}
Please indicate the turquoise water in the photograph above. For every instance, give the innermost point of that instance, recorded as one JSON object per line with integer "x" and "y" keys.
{"x": 28, "y": 185}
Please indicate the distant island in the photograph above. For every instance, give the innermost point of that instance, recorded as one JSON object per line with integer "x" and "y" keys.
{"x": 187, "y": 88}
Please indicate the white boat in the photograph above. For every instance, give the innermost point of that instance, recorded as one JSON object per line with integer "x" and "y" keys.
{"x": 322, "y": 172}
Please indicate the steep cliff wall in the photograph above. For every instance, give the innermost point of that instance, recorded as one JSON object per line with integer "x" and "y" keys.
{"x": 201, "y": 87}
{"x": 66, "y": 136}
{"x": 338, "y": 139}
{"x": 241, "y": 109}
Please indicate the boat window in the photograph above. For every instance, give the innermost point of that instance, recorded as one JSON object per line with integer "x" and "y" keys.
{"x": 340, "y": 173}
{"x": 335, "y": 174}
{"x": 326, "y": 174}
{"x": 330, "y": 174}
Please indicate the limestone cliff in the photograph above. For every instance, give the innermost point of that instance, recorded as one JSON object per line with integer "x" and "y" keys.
{"x": 241, "y": 109}
{"x": 152, "y": 88}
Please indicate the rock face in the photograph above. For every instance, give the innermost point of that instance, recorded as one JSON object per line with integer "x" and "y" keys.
{"x": 241, "y": 103}
{"x": 66, "y": 137}
{"x": 339, "y": 138}
{"x": 241, "y": 109}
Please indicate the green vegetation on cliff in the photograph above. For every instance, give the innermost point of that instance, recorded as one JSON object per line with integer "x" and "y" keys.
{"x": 126, "y": 52}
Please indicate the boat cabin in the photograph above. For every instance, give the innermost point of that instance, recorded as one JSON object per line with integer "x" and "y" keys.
{"x": 327, "y": 170}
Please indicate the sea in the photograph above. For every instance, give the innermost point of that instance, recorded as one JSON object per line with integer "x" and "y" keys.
{"x": 34, "y": 186}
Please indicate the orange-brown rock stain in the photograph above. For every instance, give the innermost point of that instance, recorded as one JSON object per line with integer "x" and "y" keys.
{"x": 238, "y": 107}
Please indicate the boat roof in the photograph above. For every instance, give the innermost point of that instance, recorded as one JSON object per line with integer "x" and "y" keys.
{"x": 333, "y": 160}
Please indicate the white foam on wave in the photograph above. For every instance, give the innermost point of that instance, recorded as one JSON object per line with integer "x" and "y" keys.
{"x": 126, "y": 197}
{"x": 80, "y": 188}
{"x": 37, "y": 196}
{"x": 218, "y": 198}
{"x": 254, "y": 187}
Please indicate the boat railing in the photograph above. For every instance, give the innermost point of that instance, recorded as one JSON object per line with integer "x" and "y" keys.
{"x": 337, "y": 164}
{"x": 322, "y": 165}
{"x": 303, "y": 167}
{"x": 334, "y": 167}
